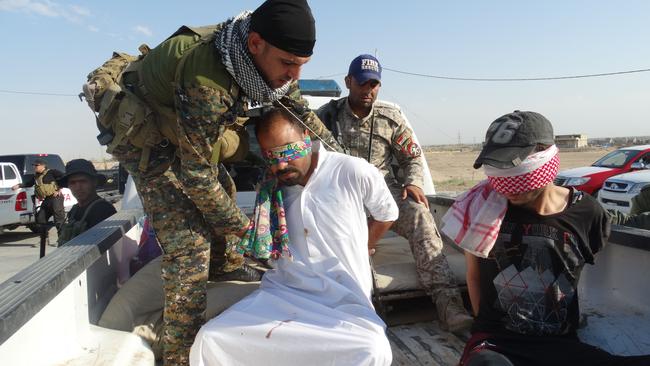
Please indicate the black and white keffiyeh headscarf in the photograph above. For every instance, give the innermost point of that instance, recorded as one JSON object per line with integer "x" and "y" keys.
{"x": 231, "y": 42}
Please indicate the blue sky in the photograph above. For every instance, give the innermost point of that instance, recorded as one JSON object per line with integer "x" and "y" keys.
{"x": 50, "y": 46}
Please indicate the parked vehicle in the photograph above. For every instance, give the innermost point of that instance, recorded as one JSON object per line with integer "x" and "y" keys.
{"x": 18, "y": 207}
{"x": 618, "y": 191}
{"x": 13, "y": 204}
{"x": 591, "y": 178}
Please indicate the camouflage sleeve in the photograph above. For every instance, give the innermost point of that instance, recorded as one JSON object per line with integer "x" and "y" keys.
{"x": 641, "y": 202}
{"x": 616, "y": 217}
{"x": 408, "y": 153}
{"x": 199, "y": 110}
{"x": 640, "y": 221}
{"x": 315, "y": 125}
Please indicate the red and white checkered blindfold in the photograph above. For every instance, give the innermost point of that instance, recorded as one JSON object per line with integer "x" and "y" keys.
{"x": 535, "y": 172}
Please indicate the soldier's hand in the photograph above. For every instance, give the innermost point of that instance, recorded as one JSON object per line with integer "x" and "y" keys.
{"x": 416, "y": 193}
{"x": 15, "y": 187}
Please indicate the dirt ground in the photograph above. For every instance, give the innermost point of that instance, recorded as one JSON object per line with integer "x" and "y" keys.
{"x": 452, "y": 170}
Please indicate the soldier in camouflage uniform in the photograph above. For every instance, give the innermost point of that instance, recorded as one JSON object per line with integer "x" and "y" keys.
{"x": 378, "y": 132}
{"x": 639, "y": 216}
{"x": 200, "y": 82}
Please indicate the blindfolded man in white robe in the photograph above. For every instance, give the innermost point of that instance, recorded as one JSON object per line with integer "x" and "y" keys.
{"x": 314, "y": 307}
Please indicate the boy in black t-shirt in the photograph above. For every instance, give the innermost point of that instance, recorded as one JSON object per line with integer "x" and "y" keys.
{"x": 526, "y": 242}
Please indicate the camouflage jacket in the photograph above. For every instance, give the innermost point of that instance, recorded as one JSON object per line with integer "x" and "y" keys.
{"x": 639, "y": 216}
{"x": 640, "y": 221}
{"x": 204, "y": 98}
{"x": 392, "y": 139}
{"x": 641, "y": 202}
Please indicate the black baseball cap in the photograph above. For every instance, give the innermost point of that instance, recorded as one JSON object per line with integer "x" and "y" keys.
{"x": 512, "y": 137}
{"x": 81, "y": 166}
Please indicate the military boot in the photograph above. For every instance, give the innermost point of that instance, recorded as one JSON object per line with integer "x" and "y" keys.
{"x": 451, "y": 313}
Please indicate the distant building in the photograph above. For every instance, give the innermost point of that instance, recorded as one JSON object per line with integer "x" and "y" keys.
{"x": 571, "y": 141}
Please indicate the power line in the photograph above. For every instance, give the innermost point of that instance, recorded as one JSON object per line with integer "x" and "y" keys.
{"x": 331, "y": 75}
{"x": 37, "y": 93}
{"x": 516, "y": 79}
{"x": 547, "y": 78}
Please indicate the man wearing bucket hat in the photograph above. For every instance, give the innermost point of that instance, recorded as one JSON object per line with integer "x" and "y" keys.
{"x": 526, "y": 241}
{"x": 378, "y": 132}
{"x": 82, "y": 179}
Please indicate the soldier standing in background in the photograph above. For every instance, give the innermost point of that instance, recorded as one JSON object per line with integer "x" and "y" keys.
{"x": 47, "y": 190}
{"x": 177, "y": 102}
{"x": 377, "y": 131}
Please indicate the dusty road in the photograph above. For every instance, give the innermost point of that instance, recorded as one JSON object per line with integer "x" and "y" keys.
{"x": 18, "y": 249}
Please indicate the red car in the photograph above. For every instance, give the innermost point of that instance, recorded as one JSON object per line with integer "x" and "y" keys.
{"x": 590, "y": 178}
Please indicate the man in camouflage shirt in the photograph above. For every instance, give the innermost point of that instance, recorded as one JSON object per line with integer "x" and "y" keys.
{"x": 203, "y": 81}
{"x": 378, "y": 132}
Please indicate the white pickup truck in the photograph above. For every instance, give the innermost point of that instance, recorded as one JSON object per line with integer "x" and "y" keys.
{"x": 18, "y": 207}
{"x": 58, "y": 305}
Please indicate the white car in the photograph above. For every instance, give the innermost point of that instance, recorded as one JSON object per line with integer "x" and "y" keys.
{"x": 617, "y": 192}
{"x": 17, "y": 207}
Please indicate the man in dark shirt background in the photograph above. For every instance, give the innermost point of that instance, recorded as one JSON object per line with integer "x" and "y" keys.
{"x": 82, "y": 179}
{"x": 46, "y": 189}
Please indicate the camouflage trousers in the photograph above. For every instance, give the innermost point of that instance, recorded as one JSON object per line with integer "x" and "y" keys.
{"x": 416, "y": 224}
{"x": 192, "y": 251}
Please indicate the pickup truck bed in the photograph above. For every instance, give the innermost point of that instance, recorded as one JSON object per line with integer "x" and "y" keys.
{"x": 57, "y": 303}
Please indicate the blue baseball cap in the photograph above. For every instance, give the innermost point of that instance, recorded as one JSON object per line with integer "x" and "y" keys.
{"x": 364, "y": 68}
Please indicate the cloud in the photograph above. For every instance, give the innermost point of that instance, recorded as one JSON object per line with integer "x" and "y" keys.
{"x": 92, "y": 28}
{"x": 28, "y": 6}
{"x": 79, "y": 10}
{"x": 144, "y": 30}
{"x": 48, "y": 8}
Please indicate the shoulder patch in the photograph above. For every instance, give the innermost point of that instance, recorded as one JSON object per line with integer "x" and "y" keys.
{"x": 407, "y": 145}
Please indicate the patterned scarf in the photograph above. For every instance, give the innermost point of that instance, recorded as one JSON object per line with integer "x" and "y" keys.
{"x": 231, "y": 42}
{"x": 267, "y": 235}
{"x": 474, "y": 220}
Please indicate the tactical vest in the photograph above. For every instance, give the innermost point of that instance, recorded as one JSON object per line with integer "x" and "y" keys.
{"x": 127, "y": 112}
{"x": 71, "y": 228}
{"x": 44, "y": 190}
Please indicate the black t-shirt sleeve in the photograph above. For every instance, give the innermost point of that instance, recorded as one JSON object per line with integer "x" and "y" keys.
{"x": 57, "y": 174}
{"x": 52, "y": 176}
{"x": 99, "y": 212}
{"x": 29, "y": 182}
{"x": 599, "y": 233}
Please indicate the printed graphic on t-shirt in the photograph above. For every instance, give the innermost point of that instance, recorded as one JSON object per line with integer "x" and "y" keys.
{"x": 535, "y": 284}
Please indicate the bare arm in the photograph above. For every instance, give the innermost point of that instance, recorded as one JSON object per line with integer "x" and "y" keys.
{"x": 473, "y": 281}
{"x": 376, "y": 229}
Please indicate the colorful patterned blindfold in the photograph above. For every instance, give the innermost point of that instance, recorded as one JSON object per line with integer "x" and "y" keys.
{"x": 288, "y": 152}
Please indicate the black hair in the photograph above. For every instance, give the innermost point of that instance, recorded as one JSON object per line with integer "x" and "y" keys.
{"x": 274, "y": 115}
